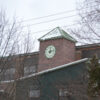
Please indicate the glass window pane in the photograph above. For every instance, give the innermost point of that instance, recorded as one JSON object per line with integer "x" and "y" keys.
{"x": 34, "y": 93}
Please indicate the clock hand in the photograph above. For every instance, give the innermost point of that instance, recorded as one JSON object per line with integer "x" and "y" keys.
{"x": 50, "y": 50}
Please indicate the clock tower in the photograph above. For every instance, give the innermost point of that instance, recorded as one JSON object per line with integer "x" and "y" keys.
{"x": 56, "y": 48}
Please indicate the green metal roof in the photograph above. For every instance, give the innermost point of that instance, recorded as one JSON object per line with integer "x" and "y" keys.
{"x": 57, "y": 33}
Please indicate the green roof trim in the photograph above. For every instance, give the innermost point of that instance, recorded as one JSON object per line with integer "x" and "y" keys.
{"x": 67, "y": 36}
{"x": 57, "y": 33}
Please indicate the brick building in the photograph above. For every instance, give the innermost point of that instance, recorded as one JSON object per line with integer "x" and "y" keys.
{"x": 65, "y": 82}
{"x": 57, "y": 48}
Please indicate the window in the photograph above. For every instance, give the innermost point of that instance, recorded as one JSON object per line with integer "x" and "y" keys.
{"x": 33, "y": 93}
{"x": 63, "y": 92}
{"x": 8, "y": 74}
{"x": 29, "y": 70}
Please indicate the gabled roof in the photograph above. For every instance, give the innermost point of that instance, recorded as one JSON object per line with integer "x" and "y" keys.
{"x": 88, "y": 45}
{"x": 49, "y": 70}
{"x": 57, "y": 33}
{"x": 56, "y": 68}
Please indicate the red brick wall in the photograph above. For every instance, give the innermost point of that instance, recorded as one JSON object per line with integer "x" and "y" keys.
{"x": 65, "y": 53}
{"x": 78, "y": 54}
{"x": 88, "y": 52}
{"x": 8, "y": 89}
{"x": 25, "y": 61}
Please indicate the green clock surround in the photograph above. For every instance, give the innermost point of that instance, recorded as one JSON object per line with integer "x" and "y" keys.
{"x": 50, "y": 51}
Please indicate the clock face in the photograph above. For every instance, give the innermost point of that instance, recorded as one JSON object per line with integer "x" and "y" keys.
{"x": 50, "y": 51}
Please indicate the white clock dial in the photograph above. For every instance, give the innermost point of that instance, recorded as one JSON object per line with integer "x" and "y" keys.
{"x": 50, "y": 51}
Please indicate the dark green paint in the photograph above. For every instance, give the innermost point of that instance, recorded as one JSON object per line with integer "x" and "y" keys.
{"x": 51, "y": 81}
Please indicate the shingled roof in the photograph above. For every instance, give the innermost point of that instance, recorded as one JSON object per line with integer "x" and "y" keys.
{"x": 57, "y": 33}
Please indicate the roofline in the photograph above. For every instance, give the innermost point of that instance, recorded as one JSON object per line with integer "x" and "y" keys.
{"x": 46, "y": 34}
{"x": 88, "y": 45}
{"x": 22, "y": 54}
{"x": 48, "y": 70}
{"x": 55, "y": 68}
{"x": 8, "y": 81}
{"x": 72, "y": 38}
{"x": 63, "y": 36}
{"x": 58, "y": 37}
{"x": 30, "y": 53}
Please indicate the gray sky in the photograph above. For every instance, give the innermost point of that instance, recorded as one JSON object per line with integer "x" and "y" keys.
{"x": 27, "y": 10}
{"x": 35, "y": 8}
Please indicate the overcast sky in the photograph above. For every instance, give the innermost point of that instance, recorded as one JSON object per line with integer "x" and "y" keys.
{"x": 28, "y": 10}
{"x": 35, "y": 8}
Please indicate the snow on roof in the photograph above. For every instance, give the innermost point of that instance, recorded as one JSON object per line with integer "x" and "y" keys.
{"x": 52, "y": 34}
{"x": 57, "y": 33}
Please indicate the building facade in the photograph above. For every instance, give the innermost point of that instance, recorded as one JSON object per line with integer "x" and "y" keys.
{"x": 57, "y": 48}
{"x": 66, "y": 82}
{"x": 64, "y": 51}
